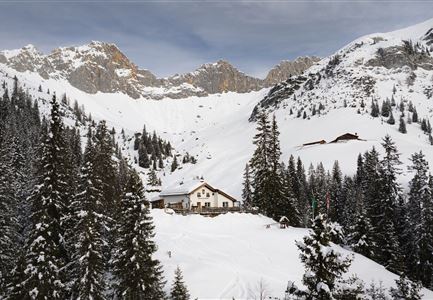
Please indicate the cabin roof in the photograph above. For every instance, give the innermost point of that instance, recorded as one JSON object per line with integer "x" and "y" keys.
{"x": 182, "y": 188}
{"x": 188, "y": 187}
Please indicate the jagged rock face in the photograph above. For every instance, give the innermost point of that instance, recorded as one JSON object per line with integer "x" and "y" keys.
{"x": 400, "y": 56}
{"x": 286, "y": 68}
{"x": 102, "y": 67}
{"x": 219, "y": 77}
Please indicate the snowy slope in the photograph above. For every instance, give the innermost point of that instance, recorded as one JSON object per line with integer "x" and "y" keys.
{"x": 227, "y": 256}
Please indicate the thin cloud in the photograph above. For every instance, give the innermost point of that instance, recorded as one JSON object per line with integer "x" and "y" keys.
{"x": 169, "y": 37}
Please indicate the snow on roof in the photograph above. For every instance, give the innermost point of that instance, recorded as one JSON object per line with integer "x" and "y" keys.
{"x": 182, "y": 188}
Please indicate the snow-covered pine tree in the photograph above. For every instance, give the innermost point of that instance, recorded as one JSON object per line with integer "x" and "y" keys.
{"x": 247, "y": 196}
{"x": 8, "y": 218}
{"x": 174, "y": 164}
{"x": 290, "y": 205}
{"x": 280, "y": 200}
{"x": 179, "y": 290}
{"x": 426, "y": 238}
{"x": 391, "y": 119}
{"x": 260, "y": 163}
{"x": 336, "y": 203}
{"x": 303, "y": 202}
{"x": 88, "y": 258}
{"x": 152, "y": 178}
{"x": 324, "y": 266}
{"x": 402, "y": 126}
{"x": 360, "y": 233}
{"x": 405, "y": 290}
{"x": 371, "y": 188}
{"x": 376, "y": 292}
{"x": 137, "y": 274}
{"x": 389, "y": 193}
{"x": 106, "y": 167}
{"x": 420, "y": 194}
{"x": 45, "y": 248}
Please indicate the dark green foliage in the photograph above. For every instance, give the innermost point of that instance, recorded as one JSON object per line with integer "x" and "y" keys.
{"x": 402, "y": 126}
{"x": 247, "y": 194}
{"x": 374, "y": 109}
{"x": 138, "y": 275}
{"x": 324, "y": 267}
{"x": 391, "y": 119}
{"x": 152, "y": 150}
{"x": 179, "y": 291}
{"x": 406, "y": 290}
{"x": 174, "y": 164}
{"x": 46, "y": 239}
{"x": 88, "y": 218}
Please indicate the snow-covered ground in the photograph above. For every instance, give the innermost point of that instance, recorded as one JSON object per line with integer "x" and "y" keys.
{"x": 228, "y": 256}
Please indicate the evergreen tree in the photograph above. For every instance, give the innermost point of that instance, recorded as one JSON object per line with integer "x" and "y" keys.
{"x": 138, "y": 274}
{"x": 45, "y": 251}
{"x": 106, "y": 168}
{"x": 174, "y": 164}
{"x": 324, "y": 266}
{"x": 260, "y": 162}
{"x": 402, "y": 126}
{"x": 89, "y": 261}
{"x": 152, "y": 178}
{"x": 179, "y": 291}
{"x": 414, "y": 115}
{"x": 375, "y": 292}
{"x": 374, "y": 109}
{"x": 391, "y": 119}
{"x": 360, "y": 237}
{"x": 143, "y": 158}
{"x": 406, "y": 290}
{"x": 247, "y": 196}
{"x": 385, "y": 212}
{"x": 420, "y": 195}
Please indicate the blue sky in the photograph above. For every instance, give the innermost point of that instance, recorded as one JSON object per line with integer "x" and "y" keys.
{"x": 170, "y": 37}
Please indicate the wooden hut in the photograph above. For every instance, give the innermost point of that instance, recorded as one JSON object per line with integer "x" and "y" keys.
{"x": 346, "y": 137}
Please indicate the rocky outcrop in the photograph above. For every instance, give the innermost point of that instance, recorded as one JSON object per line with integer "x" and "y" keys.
{"x": 102, "y": 67}
{"x": 219, "y": 77}
{"x": 407, "y": 54}
{"x": 287, "y": 68}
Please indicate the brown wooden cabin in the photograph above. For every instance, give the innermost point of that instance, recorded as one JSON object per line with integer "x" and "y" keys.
{"x": 315, "y": 143}
{"x": 346, "y": 137}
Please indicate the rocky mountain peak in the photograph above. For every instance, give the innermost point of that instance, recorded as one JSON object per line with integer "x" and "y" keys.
{"x": 103, "y": 67}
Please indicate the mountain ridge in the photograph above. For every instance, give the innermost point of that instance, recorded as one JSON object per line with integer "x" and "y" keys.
{"x": 103, "y": 67}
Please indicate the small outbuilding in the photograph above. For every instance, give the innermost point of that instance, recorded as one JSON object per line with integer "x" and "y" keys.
{"x": 284, "y": 222}
{"x": 321, "y": 142}
{"x": 346, "y": 137}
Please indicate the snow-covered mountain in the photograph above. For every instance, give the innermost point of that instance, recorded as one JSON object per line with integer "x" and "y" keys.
{"x": 196, "y": 116}
{"x": 368, "y": 68}
{"x": 102, "y": 67}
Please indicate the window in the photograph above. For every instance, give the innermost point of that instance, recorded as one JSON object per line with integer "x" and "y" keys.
{"x": 225, "y": 204}
{"x": 199, "y": 194}
{"x": 207, "y": 204}
{"x": 202, "y": 191}
{"x": 207, "y": 195}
